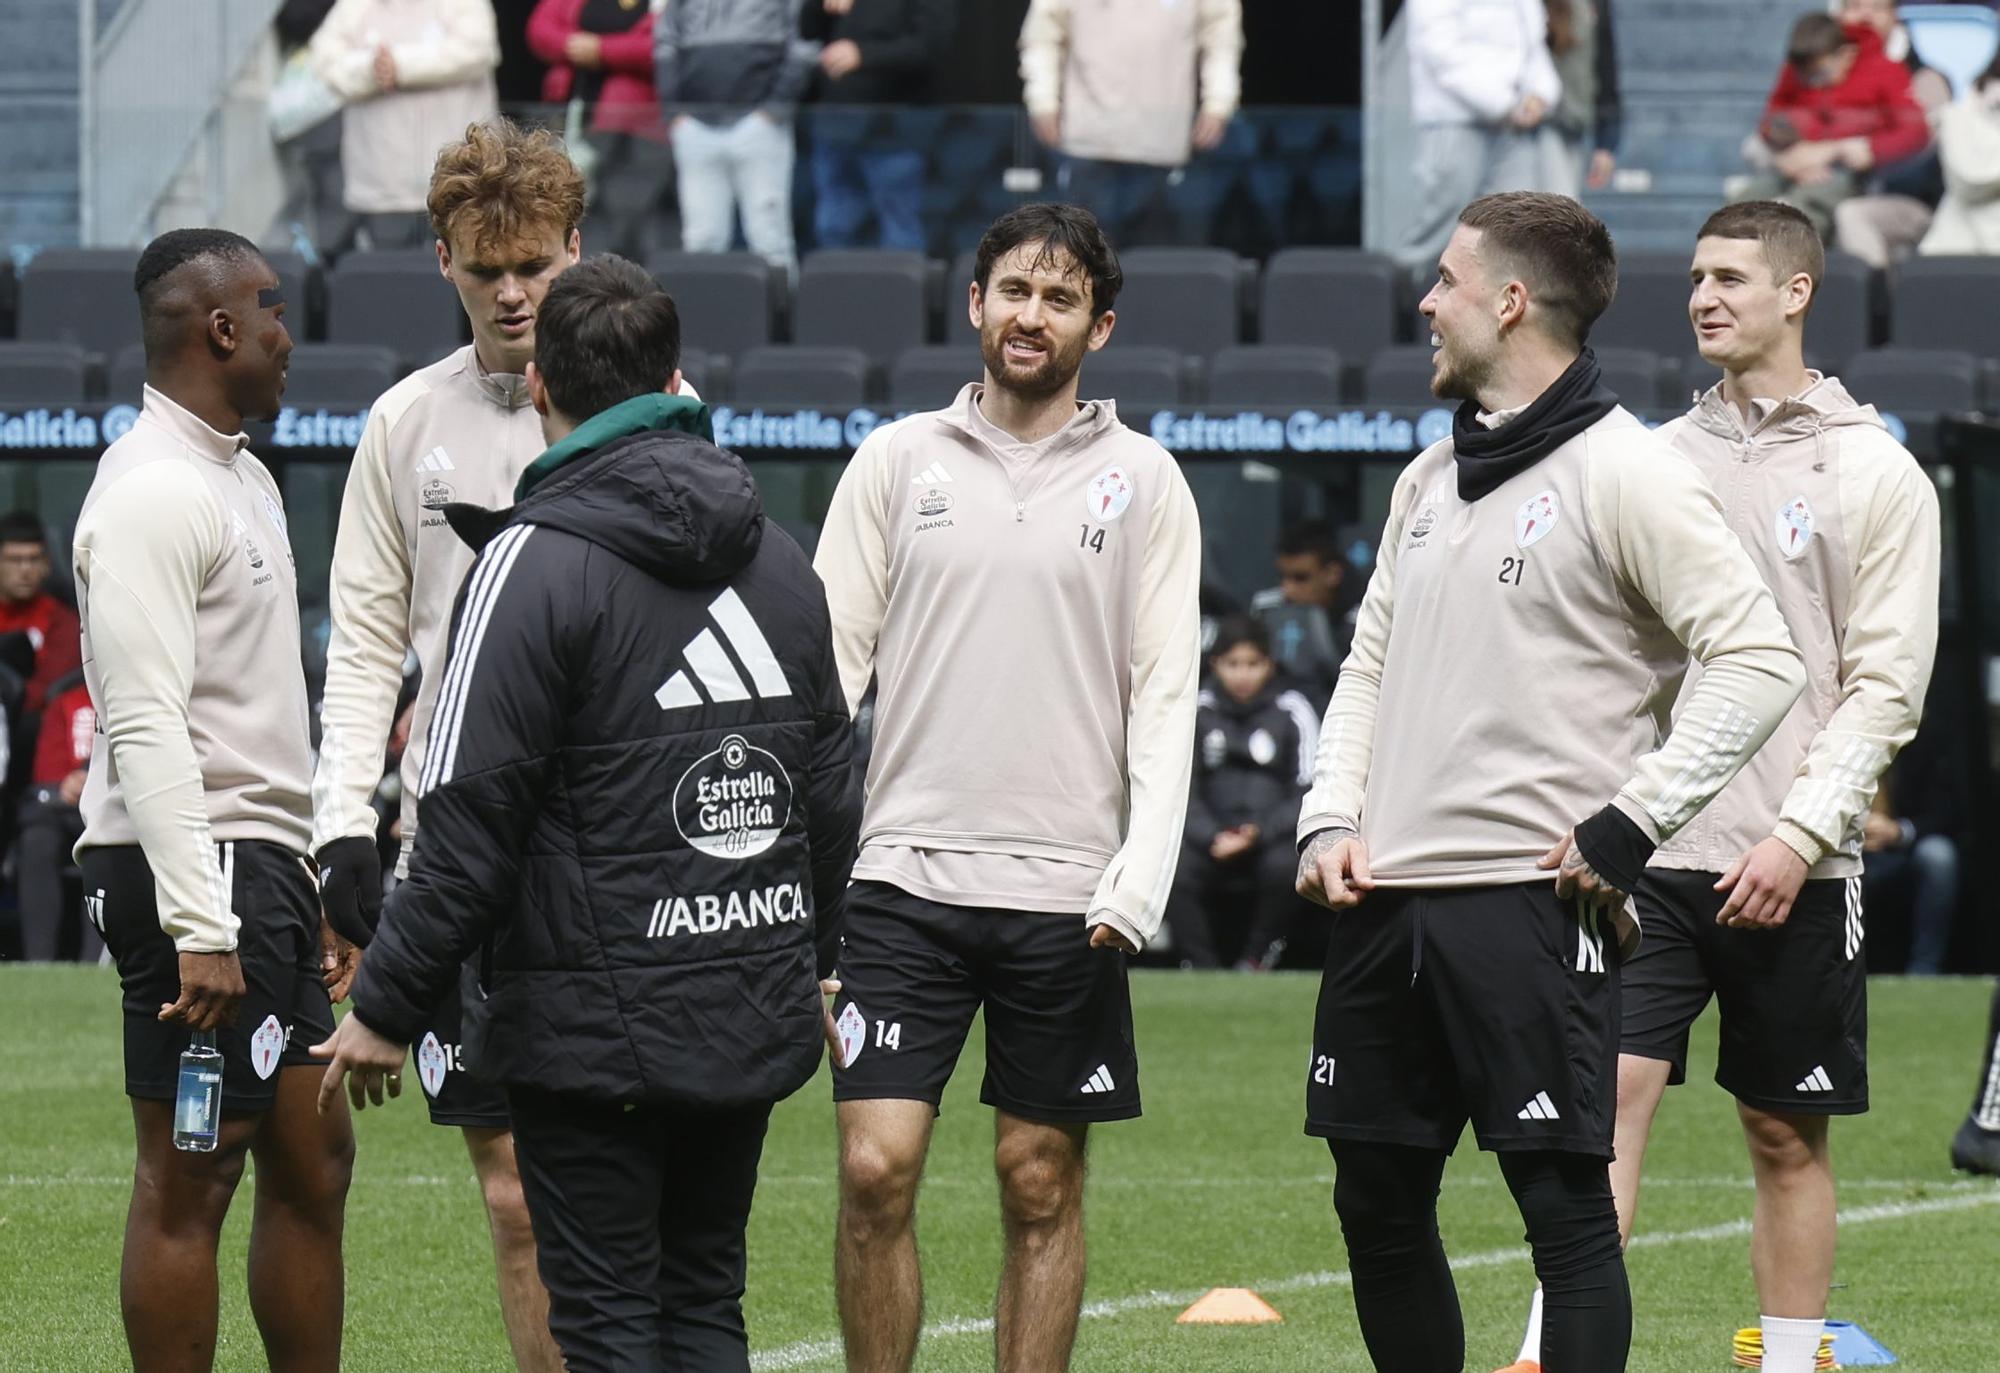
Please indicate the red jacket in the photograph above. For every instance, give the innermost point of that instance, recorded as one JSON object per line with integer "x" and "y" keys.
{"x": 64, "y": 744}
{"x": 1874, "y": 102}
{"x": 627, "y": 102}
{"x": 58, "y": 639}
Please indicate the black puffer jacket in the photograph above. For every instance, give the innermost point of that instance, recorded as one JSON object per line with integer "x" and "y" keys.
{"x": 636, "y": 806}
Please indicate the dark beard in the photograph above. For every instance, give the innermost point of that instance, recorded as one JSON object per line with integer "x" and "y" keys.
{"x": 1057, "y": 371}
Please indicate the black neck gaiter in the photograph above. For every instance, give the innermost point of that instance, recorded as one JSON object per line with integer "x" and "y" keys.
{"x": 1488, "y": 457}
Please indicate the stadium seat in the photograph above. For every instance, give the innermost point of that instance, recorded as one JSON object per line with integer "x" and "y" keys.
{"x": 1946, "y": 302}
{"x": 82, "y": 296}
{"x": 339, "y": 376}
{"x": 43, "y": 374}
{"x": 1134, "y": 377}
{"x": 875, "y": 301}
{"x": 1329, "y": 298}
{"x": 1914, "y": 379}
{"x": 1401, "y": 376}
{"x": 125, "y": 375}
{"x": 781, "y": 374}
{"x": 1186, "y": 299}
{"x": 1274, "y": 374}
{"x": 394, "y": 299}
{"x": 1633, "y": 375}
{"x": 1843, "y": 318}
{"x": 728, "y": 301}
{"x": 707, "y": 372}
{"x": 929, "y": 378}
{"x": 957, "y": 322}
{"x": 1650, "y": 311}
{"x": 1956, "y": 40}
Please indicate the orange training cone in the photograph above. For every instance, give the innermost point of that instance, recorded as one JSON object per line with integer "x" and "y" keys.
{"x": 1229, "y": 1306}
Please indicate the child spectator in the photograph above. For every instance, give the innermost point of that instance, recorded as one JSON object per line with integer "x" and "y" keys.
{"x": 1254, "y": 746}
{"x": 51, "y": 823}
{"x": 1841, "y": 109}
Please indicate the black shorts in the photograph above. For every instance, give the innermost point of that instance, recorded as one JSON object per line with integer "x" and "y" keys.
{"x": 455, "y": 1097}
{"x": 1058, "y": 1012}
{"x": 1794, "y": 1000}
{"x": 1497, "y": 1005}
{"x": 284, "y": 1011}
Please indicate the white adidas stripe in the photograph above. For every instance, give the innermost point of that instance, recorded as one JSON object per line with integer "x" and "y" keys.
{"x": 489, "y": 575}
{"x": 1100, "y": 1081}
{"x": 677, "y": 692}
{"x": 705, "y": 655}
{"x": 739, "y": 626}
{"x": 1988, "y": 1115}
{"x": 1539, "y": 1108}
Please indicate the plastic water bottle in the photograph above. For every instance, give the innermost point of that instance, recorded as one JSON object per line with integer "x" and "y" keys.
{"x": 198, "y": 1105}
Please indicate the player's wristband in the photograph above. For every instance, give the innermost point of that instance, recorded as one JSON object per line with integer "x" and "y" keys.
{"x": 1612, "y": 843}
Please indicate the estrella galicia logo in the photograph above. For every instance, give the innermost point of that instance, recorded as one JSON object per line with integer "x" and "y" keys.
{"x": 734, "y": 802}
{"x": 1433, "y": 426}
{"x": 933, "y": 503}
{"x": 436, "y": 495}
{"x": 118, "y": 422}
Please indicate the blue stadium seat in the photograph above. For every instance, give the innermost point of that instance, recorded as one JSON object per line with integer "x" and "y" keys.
{"x": 1956, "y": 40}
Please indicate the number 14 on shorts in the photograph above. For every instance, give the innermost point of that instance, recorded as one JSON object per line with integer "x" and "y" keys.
{"x": 854, "y": 1033}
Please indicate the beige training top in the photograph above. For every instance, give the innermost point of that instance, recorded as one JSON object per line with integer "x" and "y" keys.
{"x": 1029, "y": 612}
{"x": 1843, "y": 527}
{"x": 190, "y": 613}
{"x": 1515, "y": 657}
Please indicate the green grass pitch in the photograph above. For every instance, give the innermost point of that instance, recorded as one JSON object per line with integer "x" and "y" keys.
{"x": 1215, "y": 1186}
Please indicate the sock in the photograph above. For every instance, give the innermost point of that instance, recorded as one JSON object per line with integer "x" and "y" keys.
{"x": 1986, "y": 1103}
{"x": 1531, "y": 1343}
{"x": 1791, "y": 1346}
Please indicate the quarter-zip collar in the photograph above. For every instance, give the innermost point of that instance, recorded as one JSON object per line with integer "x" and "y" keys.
{"x": 1019, "y": 461}
{"x": 508, "y": 390}
{"x": 1824, "y": 404}
{"x": 190, "y": 429}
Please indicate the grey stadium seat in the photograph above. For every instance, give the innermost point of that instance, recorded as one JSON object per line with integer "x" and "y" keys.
{"x": 790, "y": 374}
{"x": 707, "y": 372}
{"x": 1633, "y": 375}
{"x": 1187, "y": 299}
{"x": 125, "y": 376}
{"x": 396, "y": 300}
{"x": 42, "y": 374}
{"x": 1946, "y": 302}
{"x": 1914, "y": 379}
{"x": 1402, "y": 376}
{"x": 339, "y": 376}
{"x": 1274, "y": 374}
{"x": 1334, "y": 298}
{"x": 728, "y": 302}
{"x": 957, "y": 322}
{"x": 930, "y": 378}
{"x": 1134, "y": 377}
{"x": 875, "y": 301}
{"x": 82, "y": 296}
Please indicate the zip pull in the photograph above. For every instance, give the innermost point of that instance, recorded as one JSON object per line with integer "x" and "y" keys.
{"x": 1020, "y": 512}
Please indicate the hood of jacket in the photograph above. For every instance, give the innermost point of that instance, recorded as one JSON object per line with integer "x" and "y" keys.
{"x": 643, "y": 480}
{"x": 1094, "y": 418}
{"x": 1824, "y": 405}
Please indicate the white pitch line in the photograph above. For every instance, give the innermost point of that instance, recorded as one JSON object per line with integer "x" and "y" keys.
{"x": 807, "y": 1353}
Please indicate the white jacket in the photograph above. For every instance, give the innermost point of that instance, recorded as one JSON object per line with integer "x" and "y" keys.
{"x": 445, "y": 52}
{"x": 1474, "y": 61}
{"x": 1968, "y": 218}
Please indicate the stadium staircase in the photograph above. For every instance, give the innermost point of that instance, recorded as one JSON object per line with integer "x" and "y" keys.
{"x": 1695, "y": 74}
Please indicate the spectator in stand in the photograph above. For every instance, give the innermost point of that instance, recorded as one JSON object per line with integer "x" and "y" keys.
{"x": 1968, "y": 218}
{"x": 1884, "y": 226}
{"x": 600, "y": 60}
{"x": 874, "y": 53}
{"x": 1309, "y": 614}
{"x": 51, "y": 824}
{"x": 1253, "y": 759}
{"x": 27, "y": 606}
{"x": 1482, "y": 84}
{"x": 415, "y": 73}
{"x": 1113, "y": 85}
{"x": 730, "y": 74}
{"x": 1909, "y": 851}
{"x": 1841, "y": 109}
{"x": 1580, "y": 146}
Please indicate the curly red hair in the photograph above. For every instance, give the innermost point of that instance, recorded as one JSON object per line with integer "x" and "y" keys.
{"x": 502, "y": 183}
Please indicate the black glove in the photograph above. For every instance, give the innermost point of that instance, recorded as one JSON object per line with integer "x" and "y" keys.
{"x": 350, "y": 888}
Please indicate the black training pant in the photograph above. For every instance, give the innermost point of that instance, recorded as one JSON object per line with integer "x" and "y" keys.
{"x": 1404, "y": 1297}
{"x": 639, "y": 1217}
